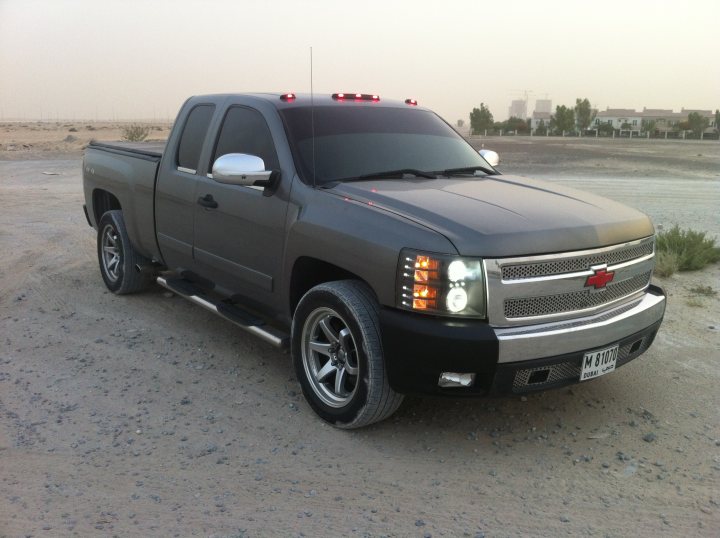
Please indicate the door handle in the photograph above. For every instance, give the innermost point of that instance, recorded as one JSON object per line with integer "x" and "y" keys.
{"x": 207, "y": 201}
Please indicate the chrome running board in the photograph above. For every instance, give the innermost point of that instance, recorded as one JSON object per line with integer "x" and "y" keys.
{"x": 232, "y": 313}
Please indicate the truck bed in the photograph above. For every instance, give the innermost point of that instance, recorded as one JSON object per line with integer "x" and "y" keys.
{"x": 126, "y": 170}
{"x": 152, "y": 150}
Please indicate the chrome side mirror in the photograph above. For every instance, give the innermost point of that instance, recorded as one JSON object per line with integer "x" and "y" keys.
{"x": 241, "y": 169}
{"x": 490, "y": 156}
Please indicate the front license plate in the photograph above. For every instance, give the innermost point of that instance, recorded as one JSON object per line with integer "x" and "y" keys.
{"x": 599, "y": 362}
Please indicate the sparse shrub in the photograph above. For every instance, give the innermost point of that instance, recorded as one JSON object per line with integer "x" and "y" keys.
{"x": 135, "y": 132}
{"x": 72, "y": 130}
{"x": 666, "y": 264}
{"x": 707, "y": 291}
{"x": 695, "y": 303}
{"x": 692, "y": 249}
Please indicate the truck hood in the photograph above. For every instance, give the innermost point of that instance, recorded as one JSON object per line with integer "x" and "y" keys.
{"x": 497, "y": 216}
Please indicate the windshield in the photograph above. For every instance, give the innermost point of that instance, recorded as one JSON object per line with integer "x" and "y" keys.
{"x": 359, "y": 141}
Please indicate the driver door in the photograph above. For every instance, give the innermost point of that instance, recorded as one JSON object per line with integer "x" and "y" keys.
{"x": 239, "y": 232}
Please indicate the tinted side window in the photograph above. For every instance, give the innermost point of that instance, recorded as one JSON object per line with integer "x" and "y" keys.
{"x": 245, "y": 131}
{"x": 193, "y": 136}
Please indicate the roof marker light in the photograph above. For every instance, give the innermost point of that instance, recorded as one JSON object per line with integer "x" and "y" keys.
{"x": 287, "y": 97}
{"x": 412, "y": 102}
{"x": 356, "y": 96}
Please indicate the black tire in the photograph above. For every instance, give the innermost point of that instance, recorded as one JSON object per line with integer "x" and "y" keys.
{"x": 117, "y": 257}
{"x": 335, "y": 329}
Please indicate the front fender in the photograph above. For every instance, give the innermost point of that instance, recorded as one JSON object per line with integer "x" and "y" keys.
{"x": 358, "y": 237}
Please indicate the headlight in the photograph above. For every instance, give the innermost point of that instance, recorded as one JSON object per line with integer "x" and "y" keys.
{"x": 441, "y": 284}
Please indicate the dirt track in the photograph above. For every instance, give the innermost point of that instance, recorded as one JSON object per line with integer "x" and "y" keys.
{"x": 146, "y": 416}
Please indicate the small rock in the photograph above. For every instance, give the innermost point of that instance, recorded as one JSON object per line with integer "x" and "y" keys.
{"x": 565, "y": 519}
{"x": 419, "y": 523}
{"x": 649, "y": 437}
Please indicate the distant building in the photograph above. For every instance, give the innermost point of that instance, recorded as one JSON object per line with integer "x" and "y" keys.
{"x": 620, "y": 119}
{"x": 543, "y": 105}
{"x": 518, "y": 109}
{"x": 664, "y": 119}
{"x": 538, "y": 117}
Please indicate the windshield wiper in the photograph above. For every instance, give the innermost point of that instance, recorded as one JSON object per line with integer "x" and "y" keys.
{"x": 388, "y": 174}
{"x": 466, "y": 170}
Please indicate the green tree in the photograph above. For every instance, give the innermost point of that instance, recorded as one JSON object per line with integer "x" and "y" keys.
{"x": 541, "y": 129}
{"x": 649, "y": 126}
{"x": 584, "y": 113}
{"x": 606, "y": 129}
{"x": 563, "y": 119}
{"x": 481, "y": 119}
{"x": 717, "y": 121}
{"x": 515, "y": 124}
{"x": 697, "y": 123}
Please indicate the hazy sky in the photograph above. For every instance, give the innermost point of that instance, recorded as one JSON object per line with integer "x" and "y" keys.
{"x": 141, "y": 59}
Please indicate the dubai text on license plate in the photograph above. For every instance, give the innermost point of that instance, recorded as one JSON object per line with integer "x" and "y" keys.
{"x": 599, "y": 362}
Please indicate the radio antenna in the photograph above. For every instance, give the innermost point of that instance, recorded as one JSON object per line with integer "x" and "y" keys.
{"x": 312, "y": 117}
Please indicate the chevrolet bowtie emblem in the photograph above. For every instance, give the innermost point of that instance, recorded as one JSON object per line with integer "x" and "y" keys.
{"x": 600, "y": 279}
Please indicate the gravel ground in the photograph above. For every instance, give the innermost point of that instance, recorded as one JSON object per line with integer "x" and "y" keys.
{"x": 146, "y": 416}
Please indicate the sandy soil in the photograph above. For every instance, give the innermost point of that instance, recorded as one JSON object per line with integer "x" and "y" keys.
{"x": 147, "y": 416}
{"x": 60, "y": 140}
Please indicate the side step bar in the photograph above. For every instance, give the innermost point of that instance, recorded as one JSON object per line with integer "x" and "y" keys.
{"x": 232, "y": 313}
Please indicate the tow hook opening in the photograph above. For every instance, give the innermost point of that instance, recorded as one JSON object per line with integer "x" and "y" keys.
{"x": 539, "y": 376}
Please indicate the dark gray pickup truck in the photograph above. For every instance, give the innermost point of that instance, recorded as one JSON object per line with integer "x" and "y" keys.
{"x": 372, "y": 240}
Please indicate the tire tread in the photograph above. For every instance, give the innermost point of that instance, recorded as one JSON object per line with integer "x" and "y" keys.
{"x": 382, "y": 400}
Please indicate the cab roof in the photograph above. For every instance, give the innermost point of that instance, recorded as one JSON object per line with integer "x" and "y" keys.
{"x": 291, "y": 100}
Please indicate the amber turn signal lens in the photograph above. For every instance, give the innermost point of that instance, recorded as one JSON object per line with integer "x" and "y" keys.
{"x": 426, "y": 262}
{"x": 424, "y": 304}
{"x": 424, "y": 292}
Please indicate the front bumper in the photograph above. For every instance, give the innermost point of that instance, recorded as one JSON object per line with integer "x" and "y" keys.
{"x": 419, "y": 348}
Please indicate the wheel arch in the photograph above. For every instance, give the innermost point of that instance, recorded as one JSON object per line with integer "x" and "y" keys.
{"x": 102, "y": 202}
{"x": 308, "y": 272}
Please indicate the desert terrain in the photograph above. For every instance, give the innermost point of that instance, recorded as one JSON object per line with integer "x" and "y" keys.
{"x": 146, "y": 416}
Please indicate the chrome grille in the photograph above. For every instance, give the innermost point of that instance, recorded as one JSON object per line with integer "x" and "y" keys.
{"x": 554, "y": 287}
{"x": 578, "y": 300}
{"x": 578, "y": 263}
{"x": 582, "y": 321}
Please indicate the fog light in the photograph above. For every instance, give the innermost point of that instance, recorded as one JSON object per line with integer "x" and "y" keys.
{"x": 455, "y": 379}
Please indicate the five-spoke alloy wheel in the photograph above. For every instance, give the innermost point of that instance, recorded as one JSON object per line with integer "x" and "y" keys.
{"x": 330, "y": 357}
{"x": 111, "y": 252}
{"x": 338, "y": 357}
{"x": 117, "y": 257}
